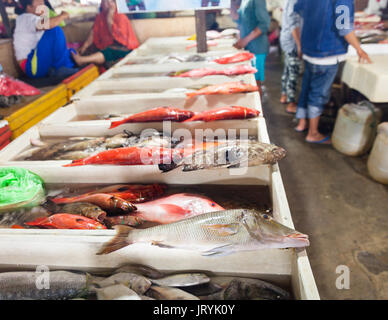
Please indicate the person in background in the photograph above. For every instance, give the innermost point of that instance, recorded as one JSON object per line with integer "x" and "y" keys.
{"x": 291, "y": 46}
{"x": 326, "y": 34}
{"x": 253, "y": 20}
{"x": 112, "y": 34}
{"x": 39, "y": 42}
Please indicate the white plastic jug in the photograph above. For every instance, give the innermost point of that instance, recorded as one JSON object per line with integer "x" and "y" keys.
{"x": 378, "y": 158}
{"x": 355, "y": 128}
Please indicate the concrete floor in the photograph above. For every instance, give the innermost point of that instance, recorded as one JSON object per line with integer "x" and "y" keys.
{"x": 332, "y": 199}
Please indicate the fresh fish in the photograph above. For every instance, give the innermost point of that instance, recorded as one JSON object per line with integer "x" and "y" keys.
{"x": 140, "y": 269}
{"x": 175, "y": 207}
{"x": 182, "y": 280}
{"x": 127, "y": 220}
{"x": 247, "y": 289}
{"x": 234, "y": 58}
{"x": 129, "y": 156}
{"x": 106, "y": 202}
{"x": 167, "y": 293}
{"x": 229, "y": 155}
{"x": 85, "y": 144}
{"x": 73, "y": 155}
{"x": 214, "y": 233}
{"x": 118, "y": 141}
{"x": 66, "y": 221}
{"x": 203, "y": 290}
{"x": 117, "y": 292}
{"x": 23, "y": 285}
{"x": 133, "y": 281}
{"x": 225, "y": 88}
{"x": 225, "y": 113}
{"x": 155, "y": 115}
{"x": 85, "y": 209}
{"x": 232, "y": 71}
{"x": 133, "y": 192}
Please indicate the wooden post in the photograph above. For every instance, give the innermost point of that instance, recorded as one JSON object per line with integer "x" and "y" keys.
{"x": 200, "y": 28}
{"x": 5, "y": 19}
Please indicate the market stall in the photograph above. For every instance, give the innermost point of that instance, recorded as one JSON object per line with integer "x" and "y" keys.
{"x": 76, "y": 250}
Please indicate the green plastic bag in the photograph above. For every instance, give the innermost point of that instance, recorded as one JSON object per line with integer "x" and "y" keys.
{"x": 20, "y": 188}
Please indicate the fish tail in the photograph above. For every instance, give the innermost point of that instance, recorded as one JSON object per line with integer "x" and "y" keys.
{"x": 191, "y": 94}
{"x": 119, "y": 241}
{"x": 75, "y": 163}
{"x": 115, "y": 124}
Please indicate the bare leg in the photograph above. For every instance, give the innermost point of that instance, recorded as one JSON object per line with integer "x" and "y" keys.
{"x": 97, "y": 58}
{"x": 291, "y": 107}
{"x": 302, "y": 125}
{"x": 314, "y": 134}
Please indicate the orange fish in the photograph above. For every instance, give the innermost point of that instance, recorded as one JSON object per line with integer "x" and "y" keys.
{"x": 234, "y": 58}
{"x": 66, "y": 221}
{"x": 155, "y": 115}
{"x": 106, "y": 202}
{"x": 129, "y": 156}
{"x": 225, "y": 88}
{"x": 232, "y": 71}
{"x": 225, "y": 113}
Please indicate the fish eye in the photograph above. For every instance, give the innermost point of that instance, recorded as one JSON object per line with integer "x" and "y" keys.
{"x": 265, "y": 216}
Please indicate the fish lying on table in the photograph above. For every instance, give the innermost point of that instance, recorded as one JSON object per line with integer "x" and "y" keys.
{"x": 232, "y": 71}
{"x": 129, "y": 156}
{"x": 106, "y": 202}
{"x": 66, "y": 221}
{"x": 235, "y": 58}
{"x": 225, "y": 88}
{"x": 155, "y": 115}
{"x": 213, "y": 234}
{"x": 225, "y": 113}
{"x": 228, "y": 155}
{"x": 175, "y": 207}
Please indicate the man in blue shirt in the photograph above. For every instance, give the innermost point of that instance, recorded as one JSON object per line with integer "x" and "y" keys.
{"x": 326, "y": 34}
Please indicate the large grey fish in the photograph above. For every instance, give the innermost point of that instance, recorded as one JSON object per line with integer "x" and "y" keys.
{"x": 214, "y": 233}
{"x": 88, "y": 210}
{"x": 73, "y": 155}
{"x": 140, "y": 269}
{"x": 228, "y": 154}
{"x": 247, "y": 289}
{"x": 26, "y": 285}
{"x": 168, "y": 293}
{"x": 182, "y": 280}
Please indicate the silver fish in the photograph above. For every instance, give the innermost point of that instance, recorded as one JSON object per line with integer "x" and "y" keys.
{"x": 140, "y": 269}
{"x": 136, "y": 282}
{"x": 182, "y": 280}
{"x": 167, "y": 293}
{"x": 229, "y": 155}
{"x": 214, "y": 233}
{"x": 73, "y": 155}
{"x": 23, "y": 285}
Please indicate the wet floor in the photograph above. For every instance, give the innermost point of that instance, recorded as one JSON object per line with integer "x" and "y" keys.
{"x": 332, "y": 199}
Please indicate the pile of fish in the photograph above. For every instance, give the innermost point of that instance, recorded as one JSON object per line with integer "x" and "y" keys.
{"x": 134, "y": 282}
{"x": 167, "y": 152}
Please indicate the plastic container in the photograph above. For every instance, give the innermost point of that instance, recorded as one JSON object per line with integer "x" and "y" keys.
{"x": 355, "y": 128}
{"x": 378, "y": 159}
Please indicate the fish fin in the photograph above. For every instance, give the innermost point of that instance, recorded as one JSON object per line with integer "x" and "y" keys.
{"x": 223, "y": 230}
{"x": 161, "y": 245}
{"x": 75, "y": 163}
{"x": 119, "y": 241}
{"x": 37, "y": 221}
{"x": 223, "y": 250}
{"x": 167, "y": 167}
